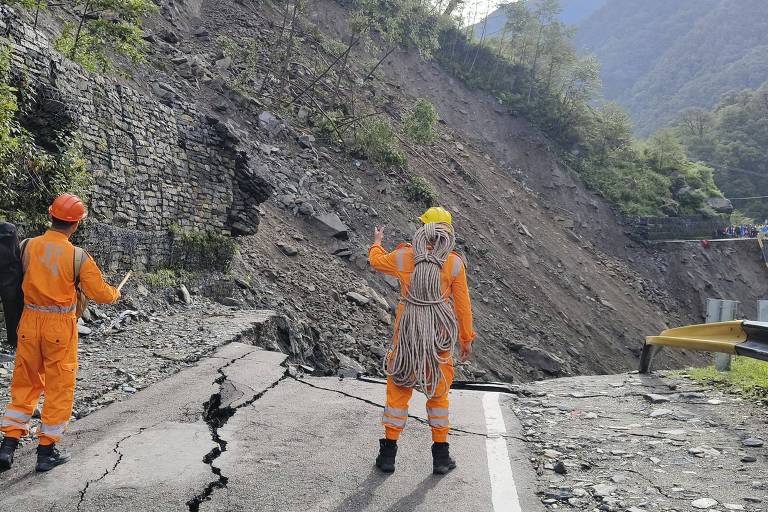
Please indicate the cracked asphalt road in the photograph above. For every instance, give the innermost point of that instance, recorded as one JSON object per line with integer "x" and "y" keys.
{"x": 239, "y": 432}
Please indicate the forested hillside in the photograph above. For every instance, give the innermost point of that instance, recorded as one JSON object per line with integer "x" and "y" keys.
{"x": 665, "y": 56}
{"x": 733, "y": 138}
{"x": 533, "y": 67}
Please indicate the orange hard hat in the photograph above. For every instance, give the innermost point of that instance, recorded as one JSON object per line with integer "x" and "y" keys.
{"x": 69, "y": 208}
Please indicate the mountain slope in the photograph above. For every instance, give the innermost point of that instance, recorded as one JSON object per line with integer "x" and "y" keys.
{"x": 666, "y": 56}
{"x": 558, "y": 286}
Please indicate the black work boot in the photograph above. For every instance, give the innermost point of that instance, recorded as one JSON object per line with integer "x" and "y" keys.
{"x": 48, "y": 457}
{"x": 442, "y": 462}
{"x": 387, "y": 452}
{"x": 7, "y": 449}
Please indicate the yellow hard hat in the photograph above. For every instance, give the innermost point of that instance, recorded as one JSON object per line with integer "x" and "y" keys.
{"x": 436, "y": 214}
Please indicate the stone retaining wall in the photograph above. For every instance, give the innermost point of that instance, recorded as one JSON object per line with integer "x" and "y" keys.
{"x": 153, "y": 166}
{"x": 677, "y": 228}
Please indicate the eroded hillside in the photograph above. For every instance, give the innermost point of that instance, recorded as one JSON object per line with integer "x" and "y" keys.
{"x": 558, "y": 286}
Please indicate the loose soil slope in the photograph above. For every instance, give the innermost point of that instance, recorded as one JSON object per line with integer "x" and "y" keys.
{"x": 558, "y": 288}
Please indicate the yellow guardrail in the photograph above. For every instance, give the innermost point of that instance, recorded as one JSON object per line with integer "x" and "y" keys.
{"x": 715, "y": 337}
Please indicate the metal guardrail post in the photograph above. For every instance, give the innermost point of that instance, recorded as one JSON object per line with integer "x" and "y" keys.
{"x": 719, "y": 310}
{"x": 762, "y": 311}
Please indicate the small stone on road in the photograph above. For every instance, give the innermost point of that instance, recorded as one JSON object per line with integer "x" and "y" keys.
{"x": 704, "y": 503}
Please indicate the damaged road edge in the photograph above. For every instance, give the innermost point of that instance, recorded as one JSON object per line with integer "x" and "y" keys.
{"x": 216, "y": 416}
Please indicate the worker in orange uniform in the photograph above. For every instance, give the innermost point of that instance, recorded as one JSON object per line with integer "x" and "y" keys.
{"x": 429, "y": 264}
{"x": 46, "y": 359}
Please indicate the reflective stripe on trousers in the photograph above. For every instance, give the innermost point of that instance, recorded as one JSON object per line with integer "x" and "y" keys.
{"x": 394, "y": 417}
{"x": 13, "y": 418}
{"x": 438, "y": 417}
{"x": 53, "y": 430}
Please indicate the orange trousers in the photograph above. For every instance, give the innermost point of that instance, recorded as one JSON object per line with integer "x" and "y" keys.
{"x": 396, "y": 411}
{"x": 46, "y": 361}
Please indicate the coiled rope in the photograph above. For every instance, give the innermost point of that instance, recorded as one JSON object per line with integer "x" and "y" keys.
{"x": 427, "y": 327}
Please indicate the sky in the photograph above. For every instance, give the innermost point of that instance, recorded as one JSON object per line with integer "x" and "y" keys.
{"x": 477, "y": 9}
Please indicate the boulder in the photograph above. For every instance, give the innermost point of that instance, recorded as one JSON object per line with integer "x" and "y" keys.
{"x": 268, "y": 121}
{"x": 348, "y": 367}
{"x": 169, "y": 36}
{"x": 720, "y": 204}
{"x": 184, "y": 295}
{"x": 305, "y": 140}
{"x": 542, "y": 360}
{"x": 223, "y": 64}
{"x": 357, "y": 298}
{"x": 331, "y": 224}
{"x": 288, "y": 250}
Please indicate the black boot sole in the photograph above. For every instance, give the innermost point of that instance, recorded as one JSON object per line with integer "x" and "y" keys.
{"x": 5, "y": 465}
{"x": 42, "y": 468}
{"x": 386, "y": 468}
{"x": 442, "y": 470}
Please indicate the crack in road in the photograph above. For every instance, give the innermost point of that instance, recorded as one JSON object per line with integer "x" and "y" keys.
{"x": 216, "y": 416}
{"x": 454, "y": 430}
{"x": 117, "y": 451}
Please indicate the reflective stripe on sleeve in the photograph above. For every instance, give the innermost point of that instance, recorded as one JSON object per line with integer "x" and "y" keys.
{"x": 400, "y": 259}
{"x": 456, "y": 266}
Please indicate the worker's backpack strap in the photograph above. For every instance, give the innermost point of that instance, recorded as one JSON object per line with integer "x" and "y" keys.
{"x": 80, "y": 257}
{"x": 78, "y": 260}
{"x": 24, "y": 255}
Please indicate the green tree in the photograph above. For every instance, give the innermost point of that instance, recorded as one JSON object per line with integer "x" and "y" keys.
{"x": 420, "y": 122}
{"x": 611, "y": 133}
{"x": 665, "y": 151}
{"x": 103, "y": 27}
{"x": 376, "y": 140}
{"x": 544, "y": 16}
{"x": 733, "y": 139}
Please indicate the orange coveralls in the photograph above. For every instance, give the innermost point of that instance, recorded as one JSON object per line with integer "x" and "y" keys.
{"x": 46, "y": 358}
{"x": 399, "y": 263}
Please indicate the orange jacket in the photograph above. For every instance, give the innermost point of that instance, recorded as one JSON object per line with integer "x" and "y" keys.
{"x": 399, "y": 263}
{"x": 50, "y": 277}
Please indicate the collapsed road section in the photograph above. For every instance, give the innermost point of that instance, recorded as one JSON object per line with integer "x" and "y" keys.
{"x": 217, "y": 411}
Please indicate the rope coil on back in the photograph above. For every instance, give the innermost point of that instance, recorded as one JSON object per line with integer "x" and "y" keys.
{"x": 428, "y": 325}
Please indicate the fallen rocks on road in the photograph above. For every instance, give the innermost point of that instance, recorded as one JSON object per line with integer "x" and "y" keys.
{"x": 621, "y": 454}
{"x": 657, "y": 399}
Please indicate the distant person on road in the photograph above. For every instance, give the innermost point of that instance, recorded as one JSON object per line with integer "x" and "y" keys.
{"x": 434, "y": 313}
{"x": 46, "y": 358}
{"x": 10, "y": 280}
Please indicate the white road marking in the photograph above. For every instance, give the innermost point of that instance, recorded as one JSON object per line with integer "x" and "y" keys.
{"x": 503, "y": 491}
